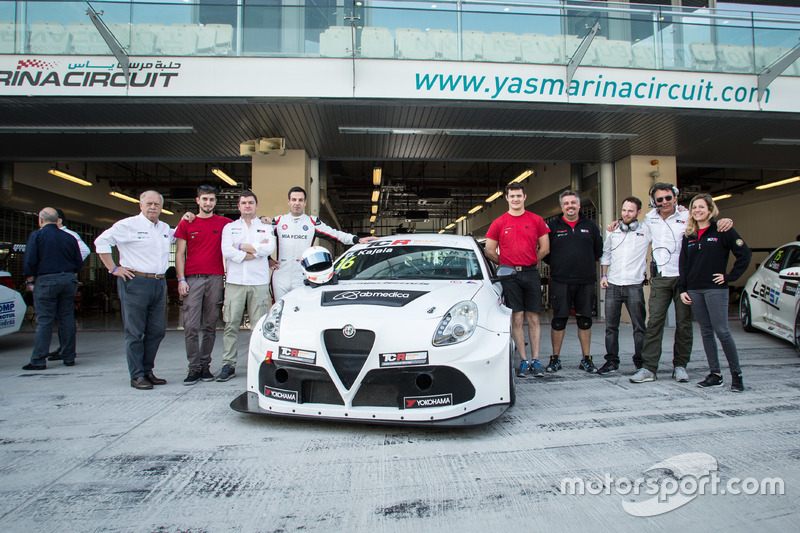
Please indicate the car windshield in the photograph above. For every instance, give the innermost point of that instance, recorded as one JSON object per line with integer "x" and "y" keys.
{"x": 408, "y": 262}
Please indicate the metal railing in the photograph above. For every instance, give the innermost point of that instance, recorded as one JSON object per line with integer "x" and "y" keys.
{"x": 630, "y": 36}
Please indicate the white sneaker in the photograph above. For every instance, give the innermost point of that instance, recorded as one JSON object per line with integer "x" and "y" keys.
{"x": 643, "y": 375}
{"x": 680, "y": 375}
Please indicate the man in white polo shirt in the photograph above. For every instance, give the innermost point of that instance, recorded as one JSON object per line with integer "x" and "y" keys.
{"x": 623, "y": 265}
{"x": 246, "y": 245}
{"x": 143, "y": 242}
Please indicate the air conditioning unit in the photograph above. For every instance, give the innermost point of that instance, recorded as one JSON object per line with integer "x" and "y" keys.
{"x": 248, "y": 147}
{"x": 272, "y": 144}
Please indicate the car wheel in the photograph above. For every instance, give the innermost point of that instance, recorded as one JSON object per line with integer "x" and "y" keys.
{"x": 797, "y": 332}
{"x": 512, "y": 384}
{"x": 745, "y": 314}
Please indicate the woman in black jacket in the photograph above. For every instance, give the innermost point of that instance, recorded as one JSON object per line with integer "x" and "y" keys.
{"x": 703, "y": 284}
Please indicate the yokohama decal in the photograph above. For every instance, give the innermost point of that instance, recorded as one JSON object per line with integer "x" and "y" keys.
{"x": 280, "y": 394}
{"x": 417, "y": 402}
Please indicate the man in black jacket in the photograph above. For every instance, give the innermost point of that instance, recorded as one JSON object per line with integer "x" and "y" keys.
{"x": 52, "y": 260}
{"x": 575, "y": 246}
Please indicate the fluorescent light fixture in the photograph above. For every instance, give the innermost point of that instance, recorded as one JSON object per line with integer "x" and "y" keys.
{"x": 124, "y": 197}
{"x": 375, "y": 194}
{"x": 218, "y": 172}
{"x": 441, "y": 231}
{"x": 50, "y": 130}
{"x": 721, "y": 197}
{"x": 372, "y": 218}
{"x": 374, "y": 209}
{"x": 475, "y": 209}
{"x": 779, "y": 142}
{"x": 376, "y": 176}
{"x": 490, "y": 133}
{"x": 450, "y": 225}
{"x": 167, "y": 211}
{"x": 372, "y": 231}
{"x": 494, "y": 197}
{"x": 69, "y": 177}
{"x": 522, "y": 176}
{"x": 459, "y": 219}
{"x": 778, "y": 183}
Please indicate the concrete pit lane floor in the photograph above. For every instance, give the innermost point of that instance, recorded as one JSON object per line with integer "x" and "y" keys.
{"x": 80, "y": 450}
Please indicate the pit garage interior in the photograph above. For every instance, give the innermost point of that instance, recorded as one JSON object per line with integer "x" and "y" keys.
{"x": 381, "y": 165}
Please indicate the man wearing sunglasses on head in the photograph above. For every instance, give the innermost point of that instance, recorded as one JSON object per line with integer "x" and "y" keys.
{"x": 667, "y": 225}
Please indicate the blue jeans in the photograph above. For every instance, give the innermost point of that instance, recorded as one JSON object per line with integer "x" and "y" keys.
{"x": 54, "y": 298}
{"x": 144, "y": 303}
{"x": 710, "y": 308}
{"x": 633, "y": 298}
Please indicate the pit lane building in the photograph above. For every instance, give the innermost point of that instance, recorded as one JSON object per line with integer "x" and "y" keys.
{"x": 395, "y": 116}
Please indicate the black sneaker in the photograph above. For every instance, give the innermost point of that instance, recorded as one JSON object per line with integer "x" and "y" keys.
{"x": 712, "y": 380}
{"x": 226, "y": 373}
{"x": 737, "y": 385}
{"x": 608, "y": 368}
{"x": 206, "y": 375}
{"x": 536, "y": 369}
{"x": 192, "y": 378}
{"x": 587, "y": 365}
{"x": 554, "y": 365}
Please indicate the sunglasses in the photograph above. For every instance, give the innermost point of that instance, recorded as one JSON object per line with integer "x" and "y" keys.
{"x": 664, "y": 199}
{"x": 208, "y": 188}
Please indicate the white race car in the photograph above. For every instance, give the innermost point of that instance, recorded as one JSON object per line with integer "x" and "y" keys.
{"x": 412, "y": 332}
{"x": 12, "y": 306}
{"x": 771, "y": 300}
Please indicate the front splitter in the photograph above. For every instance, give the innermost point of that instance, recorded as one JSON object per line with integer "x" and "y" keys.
{"x": 247, "y": 402}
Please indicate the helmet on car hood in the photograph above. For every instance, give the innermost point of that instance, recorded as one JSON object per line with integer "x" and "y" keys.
{"x": 317, "y": 265}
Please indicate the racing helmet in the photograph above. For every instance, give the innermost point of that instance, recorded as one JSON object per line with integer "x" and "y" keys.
{"x": 317, "y": 265}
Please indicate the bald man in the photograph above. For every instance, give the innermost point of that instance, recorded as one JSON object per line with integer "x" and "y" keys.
{"x": 50, "y": 267}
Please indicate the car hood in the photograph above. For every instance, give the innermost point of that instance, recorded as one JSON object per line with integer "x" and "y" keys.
{"x": 425, "y": 297}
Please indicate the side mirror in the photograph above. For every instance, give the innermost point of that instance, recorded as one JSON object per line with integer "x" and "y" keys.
{"x": 792, "y": 273}
{"x": 504, "y": 272}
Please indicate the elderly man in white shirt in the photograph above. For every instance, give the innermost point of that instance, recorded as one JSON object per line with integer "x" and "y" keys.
{"x": 143, "y": 242}
{"x": 623, "y": 265}
{"x": 246, "y": 246}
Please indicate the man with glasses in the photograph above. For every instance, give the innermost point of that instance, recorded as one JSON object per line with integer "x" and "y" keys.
{"x": 198, "y": 263}
{"x": 667, "y": 225}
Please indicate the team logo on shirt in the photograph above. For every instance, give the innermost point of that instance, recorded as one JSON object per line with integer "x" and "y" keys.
{"x": 739, "y": 242}
{"x": 305, "y": 228}
{"x": 285, "y": 226}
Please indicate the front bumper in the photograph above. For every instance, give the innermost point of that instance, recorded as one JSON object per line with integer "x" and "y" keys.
{"x": 248, "y": 402}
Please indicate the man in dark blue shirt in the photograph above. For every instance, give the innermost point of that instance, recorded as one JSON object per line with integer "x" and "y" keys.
{"x": 52, "y": 260}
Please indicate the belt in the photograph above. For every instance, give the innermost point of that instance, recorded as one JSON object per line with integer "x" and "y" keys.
{"x": 145, "y": 274}
{"x": 525, "y": 268}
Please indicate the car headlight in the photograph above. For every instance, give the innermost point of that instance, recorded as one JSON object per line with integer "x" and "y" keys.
{"x": 458, "y": 324}
{"x": 271, "y": 327}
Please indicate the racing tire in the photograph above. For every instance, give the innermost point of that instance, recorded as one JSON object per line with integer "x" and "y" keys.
{"x": 797, "y": 332}
{"x": 746, "y": 315}
{"x": 512, "y": 384}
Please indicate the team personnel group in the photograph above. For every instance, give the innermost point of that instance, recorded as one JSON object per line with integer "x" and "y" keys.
{"x": 53, "y": 258}
{"x": 690, "y": 250}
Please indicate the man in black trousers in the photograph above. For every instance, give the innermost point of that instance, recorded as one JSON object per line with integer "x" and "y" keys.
{"x": 52, "y": 261}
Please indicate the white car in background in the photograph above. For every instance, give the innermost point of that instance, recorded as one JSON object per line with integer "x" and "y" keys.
{"x": 12, "y": 307}
{"x": 771, "y": 299}
{"x": 413, "y": 332}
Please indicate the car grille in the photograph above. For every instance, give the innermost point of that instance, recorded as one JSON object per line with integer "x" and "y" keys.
{"x": 348, "y": 355}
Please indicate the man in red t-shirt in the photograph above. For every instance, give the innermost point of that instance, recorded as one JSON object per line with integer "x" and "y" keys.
{"x": 520, "y": 239}
{"x": 198, "y": 262}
